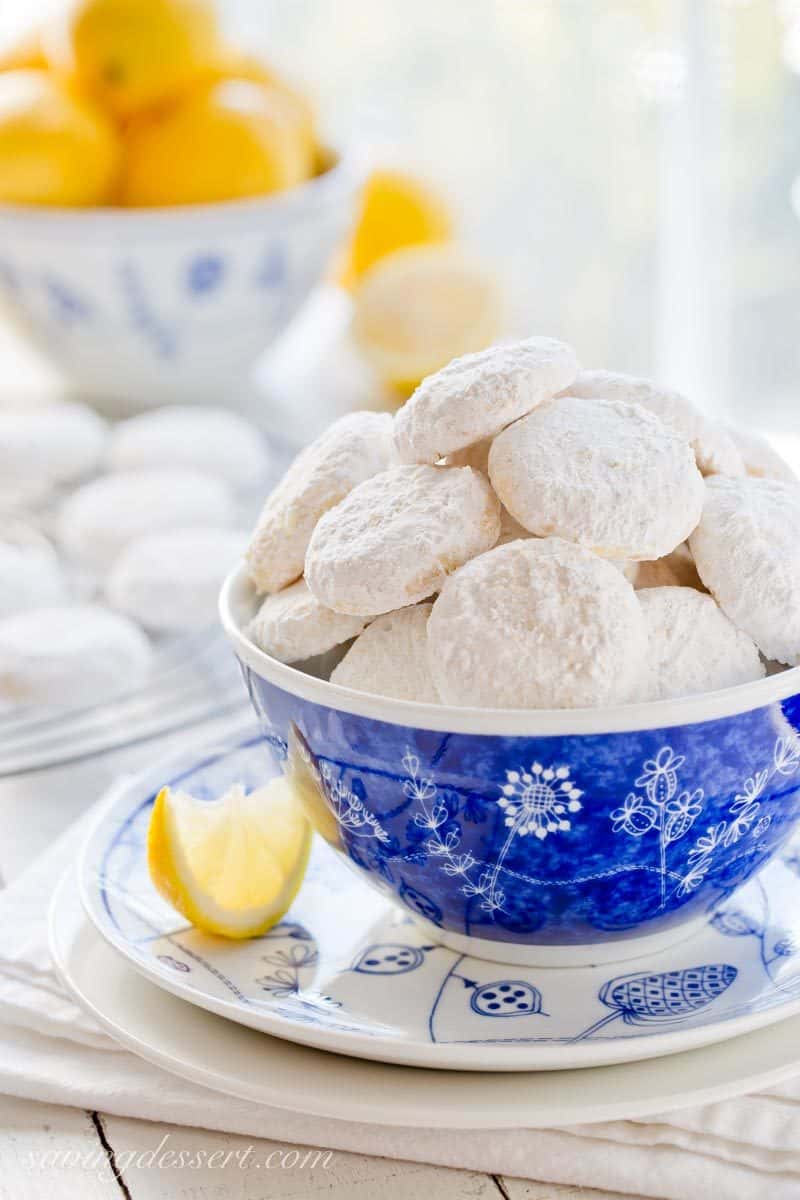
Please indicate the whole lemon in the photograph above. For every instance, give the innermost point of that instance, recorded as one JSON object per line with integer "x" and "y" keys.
{"x": 55, "y": 147}
{"x": 222, "y": 141}
{"x": 132, "y": 54}
{"x": 233, "y": 64}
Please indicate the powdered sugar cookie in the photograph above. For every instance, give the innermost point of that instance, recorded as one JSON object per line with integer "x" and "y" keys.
{"x": 476, "y": 396}
{"x": 537, "y": 624}
{"x": 214, "y": 440}
{"x": 30, "y": 573}
{"x": 397, "y": 537}
{"x": 692, "y": 647}
{"x": 761, "y": 459}
{"x": 390, "y": 658}
{"x": 714, "y": 448}
{"x": 350, "y": 451}
{"x": 99, "y": 519}
{"x": 608, "y": 475}
{"x": 76, "y": 653}
{"x": 292, "y": 625}
{"x": 747, "y": 552}
{"x": 170, "y": 581}
{"x": 477, "y": 456}
{"x": 674, "y": 570}
{"x": 55, "y": 442}
{"x": 627, "y": 568}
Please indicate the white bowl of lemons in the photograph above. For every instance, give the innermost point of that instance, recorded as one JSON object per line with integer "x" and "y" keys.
{"x": 162, "y": 217}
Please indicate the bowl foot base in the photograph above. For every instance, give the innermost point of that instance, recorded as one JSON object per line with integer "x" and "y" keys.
{"x": 587, "y": 954}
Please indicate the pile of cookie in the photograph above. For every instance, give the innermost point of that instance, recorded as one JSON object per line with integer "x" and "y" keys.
{"x": 114, "y": 541}
{"x": 526, "y": 534}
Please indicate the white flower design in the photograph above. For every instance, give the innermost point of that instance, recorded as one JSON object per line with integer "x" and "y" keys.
{"x": 745, "y": 816}
{"x": 538, "y": 801}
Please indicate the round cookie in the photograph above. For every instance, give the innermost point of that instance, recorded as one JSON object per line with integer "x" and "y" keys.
{"x": 214, "y": 440}
{"x": 607, "y": 475}
{"x": 351, "y": 450}
{"x": 476, "y": 396}
{"x": 390, "y": 658}
{"x": 169, "y": 582}
{"x": 98, "y": 520}
{"x": 761, "y": 459}
{"x": 30, "y": 573}
{"x": 747, "y": 552}
{"x": 537, "y": 624}
{"x": 55, "y": 442}
{"x": 397, "y": 537}
{"x": 714, "y": 448}
{"x": 692, "y": 647}
{"x": 477, "y": 456}
{"x": 77, "y": 653}
{"x": 674, "y": 570}
{"x": 292, "y": 625}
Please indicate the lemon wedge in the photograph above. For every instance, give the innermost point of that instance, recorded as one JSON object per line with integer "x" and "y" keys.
{"x": 396, "y": 210}
{"x": 231, "y": 866}
{"x": 422, "y": 306}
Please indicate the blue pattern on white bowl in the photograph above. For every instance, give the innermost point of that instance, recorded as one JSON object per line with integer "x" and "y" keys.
{"x": 347, "y": 970}
{"x": 550, "y": 841}
{"x": 149, "y": 305}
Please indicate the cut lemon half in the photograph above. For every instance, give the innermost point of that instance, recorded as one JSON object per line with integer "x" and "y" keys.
{"x": 231, "y": 866}
{"x": 420, "y": 307}
{"x": 396, "y": 210}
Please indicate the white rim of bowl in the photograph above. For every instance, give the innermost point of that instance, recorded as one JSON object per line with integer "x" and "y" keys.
{"x": 345, "y": 171}
{"x": 504, "y": 722}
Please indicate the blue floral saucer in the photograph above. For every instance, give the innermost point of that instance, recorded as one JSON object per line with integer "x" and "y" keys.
{"x": 347, "y": 971}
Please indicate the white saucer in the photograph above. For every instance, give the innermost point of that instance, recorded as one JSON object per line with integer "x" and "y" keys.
{"x": 241, "y": 1062}
{"x": 347, "y": 971}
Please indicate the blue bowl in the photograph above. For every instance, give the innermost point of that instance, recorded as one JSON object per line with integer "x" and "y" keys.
{"x": 538, "y": 837}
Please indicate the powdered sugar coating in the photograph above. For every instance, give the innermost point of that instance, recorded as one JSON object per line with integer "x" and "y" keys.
{"x": 351, "y": 450}
{"x": 397, "y": 537}
{"x": 605, "y": 474}
{"x": 537, "y": 624}
{"x": 674, "y": 570}
{"x": 761, "y": 459}
{"x": 200, "y": 438}
{"x": 747, "y": 552}
{"x": 99, "y": 519}
{"x": 55, "y": 442}
{"x": 714, "y": 448}
{"x": 30, "y": 573}
{"x": 477, "y": 456}
{"x": 692, "y": 646}
{"x": 293, "y": 625}
{"x": 52, "y": 655}
{"x": 170, "y": 581}
{"x": 390, "y": 658}
{"x": 476, "y": 396}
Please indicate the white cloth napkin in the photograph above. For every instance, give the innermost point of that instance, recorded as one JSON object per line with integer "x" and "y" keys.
{"x": 50, "y": 1050}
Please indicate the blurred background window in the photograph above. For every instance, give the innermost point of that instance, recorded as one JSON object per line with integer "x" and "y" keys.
{"x": 630, "y": 166}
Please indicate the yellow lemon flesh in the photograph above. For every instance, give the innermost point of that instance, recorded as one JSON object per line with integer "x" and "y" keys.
{"x": 55, "y": 147}
{"x": 396, "y": 210}
{"x": 133, "y": 54}
{"x": 223, "y": 141}
{"x": 419, "y": 308}
{"x": 231, "y": 866}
